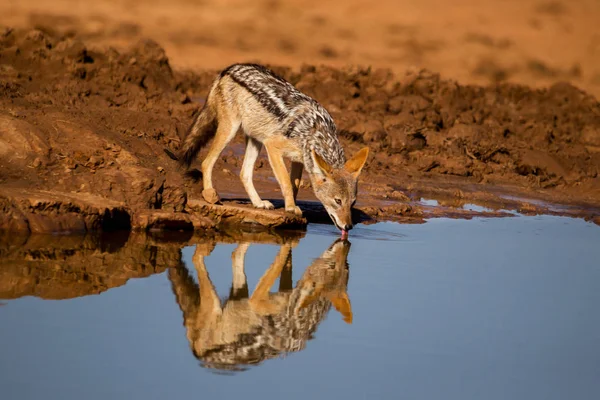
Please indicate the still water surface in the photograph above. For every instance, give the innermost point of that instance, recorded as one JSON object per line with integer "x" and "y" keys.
{"x": 451, "y": 309}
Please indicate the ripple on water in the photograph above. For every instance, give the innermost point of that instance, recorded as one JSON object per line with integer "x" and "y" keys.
{"x": 359, "y": 232}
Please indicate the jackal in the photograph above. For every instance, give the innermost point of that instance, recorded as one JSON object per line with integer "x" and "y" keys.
{"x": 290, "y": 124}
{"x": 250, "y": 329}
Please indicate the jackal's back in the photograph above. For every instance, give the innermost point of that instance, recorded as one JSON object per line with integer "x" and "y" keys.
{"x": 301, "y": 118}
{"x": 275, "y": 94}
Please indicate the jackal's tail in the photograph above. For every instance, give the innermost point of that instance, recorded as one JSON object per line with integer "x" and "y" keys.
{"x": 201, "y": 131}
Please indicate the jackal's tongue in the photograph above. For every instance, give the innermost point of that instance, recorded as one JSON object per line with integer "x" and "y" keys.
{"x": 344, "y": 234}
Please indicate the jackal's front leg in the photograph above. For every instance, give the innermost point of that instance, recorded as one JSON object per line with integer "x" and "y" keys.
{"x": 253, "y": 148}
{"x": 281, "y": 174}
{"x": 260, "y": 300}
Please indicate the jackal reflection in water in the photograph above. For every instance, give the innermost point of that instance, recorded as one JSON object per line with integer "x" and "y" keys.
{"x": 249, "y": 329}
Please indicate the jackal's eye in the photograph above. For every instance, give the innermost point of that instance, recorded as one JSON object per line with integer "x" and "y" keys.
{"x": 338, "y": 201}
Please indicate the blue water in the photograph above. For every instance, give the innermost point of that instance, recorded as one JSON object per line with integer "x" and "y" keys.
{"x": 453, "y": 309}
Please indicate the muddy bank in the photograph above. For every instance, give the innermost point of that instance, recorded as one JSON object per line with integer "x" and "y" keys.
{"x": 83, "y": 133}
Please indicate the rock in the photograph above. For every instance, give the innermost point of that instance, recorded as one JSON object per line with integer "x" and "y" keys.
{"x": 38, "y": 211}
{"x": 246, "y": 216}
{"x": 174, "y": 198}
{"x": 535, "y": 162}
{"x": 155, "y": 220}
{"x": 20, "y": 142}
{"x": 398, "y": 195}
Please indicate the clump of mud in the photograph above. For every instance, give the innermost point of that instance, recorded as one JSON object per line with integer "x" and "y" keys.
{"x": 87, "y": 121}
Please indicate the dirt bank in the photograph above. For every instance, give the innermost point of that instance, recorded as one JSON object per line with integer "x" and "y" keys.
{"x": 83, "y": 132}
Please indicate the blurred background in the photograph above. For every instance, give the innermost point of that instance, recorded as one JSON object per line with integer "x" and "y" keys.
{"x": 534, "y": 42}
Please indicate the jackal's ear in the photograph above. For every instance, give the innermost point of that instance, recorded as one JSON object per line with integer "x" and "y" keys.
{"x": 321, "y": 163}
{"x": 308, "y": 300}
{"x": 341, "y": 302}
{"x": 356, "y": 163}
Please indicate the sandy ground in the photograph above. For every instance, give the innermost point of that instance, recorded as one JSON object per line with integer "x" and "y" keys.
{"x": 88, "y": 104}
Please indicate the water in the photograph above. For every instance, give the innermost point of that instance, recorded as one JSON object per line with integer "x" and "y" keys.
{"x": 452, "y": 309}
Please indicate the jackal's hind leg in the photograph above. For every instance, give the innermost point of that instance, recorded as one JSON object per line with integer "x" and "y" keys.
{"x": 280, "y": 171}
{"x": 253, "y": 148}
{"x": 225, "y": 132}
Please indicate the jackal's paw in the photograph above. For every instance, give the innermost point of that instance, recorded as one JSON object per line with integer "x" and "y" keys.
{"x": 294, "y": 210}
{"x": 211, "y": 196}
{"x": 265, "y": 205}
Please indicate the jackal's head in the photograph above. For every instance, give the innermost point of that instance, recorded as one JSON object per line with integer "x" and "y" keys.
{"x": 327, "y": 278}
{"x": 336, "y": 187}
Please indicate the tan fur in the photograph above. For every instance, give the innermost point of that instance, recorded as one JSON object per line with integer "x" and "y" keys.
{"x": 296, "y": 176}
{"x": 356, "y": 163}
{"x": 341, "y": 302}
{"x": 210, "y": 326}
{"x": 339, "y": 184}
{"x": 277, "y": 149}
{"x": 326, "y": 168}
